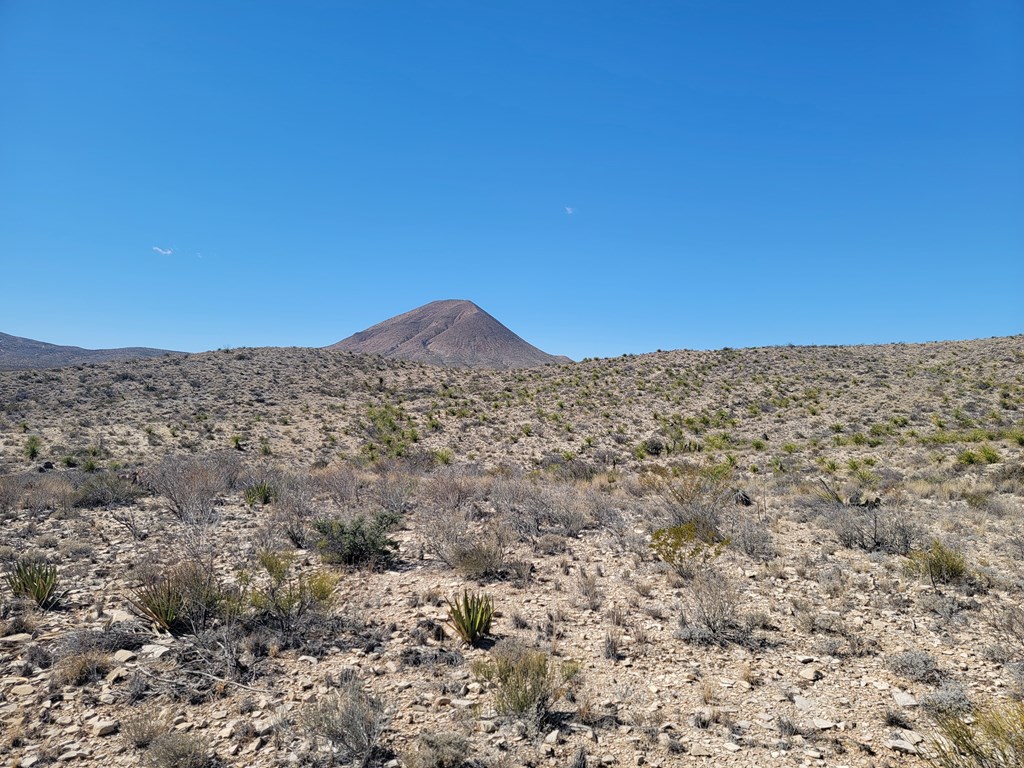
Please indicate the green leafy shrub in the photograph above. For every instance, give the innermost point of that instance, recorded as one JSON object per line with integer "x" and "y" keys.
{"x": 687, "y": 547}
{"x": 941, "y": 564}
{"x": 358, "y": 541}
{"x": 285, "y": 598}
{"x": 35, "y": 580}
{"x": 471, "y": 615}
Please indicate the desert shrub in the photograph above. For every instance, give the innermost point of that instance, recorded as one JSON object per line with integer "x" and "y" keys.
{"x": 284, "y": 597}
{"x": 471, "y": 615}
{"x": 393, "y": 492}
{"x": 939, "y": 563}
{"x": 874, "y": 529}
{"x": 528, "y": 681}
{"x": 949, "y": 699}
{"x": 439, "y": 750}
{"x": 753, "y": 539}
{"x": 914, "y": 665}
{"x": 349, "y": 720}
{"x": 37, "y": 581}
{"x": 10, "y": 492}
{"x": 342, "y": 485}
{"x": 179, "y": 750}
{"x": 190, "y": 485}
{"x": 713, "y": 614}
{"x": 450, "y": 488}
{"x": 105, "y": 489}
{"x": 688, "y": 547}
{"x": 389, "y": 432}
{"x": 81, "y": 668}
{"x": 295, "y": 509}
{"x": 357, "y": 541}
{"x": 992, "y": 737}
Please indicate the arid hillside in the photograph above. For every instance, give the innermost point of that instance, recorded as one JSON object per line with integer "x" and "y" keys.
{"x": 273, "y": 557}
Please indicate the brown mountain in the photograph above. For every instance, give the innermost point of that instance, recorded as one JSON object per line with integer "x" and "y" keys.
{"x": 453, "y": 333}
{"x": 17, "y": 353}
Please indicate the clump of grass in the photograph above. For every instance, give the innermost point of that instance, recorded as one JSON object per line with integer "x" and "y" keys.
{"x": 990, "y": 738}
{"x": 179, "y": 750}
{"x": 81, "y": 668}
{"x": 471, "y": 615}
{"x": 35, "y": 580}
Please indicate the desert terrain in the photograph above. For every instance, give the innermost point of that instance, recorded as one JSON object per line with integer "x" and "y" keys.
{"x": 778, "y": 556}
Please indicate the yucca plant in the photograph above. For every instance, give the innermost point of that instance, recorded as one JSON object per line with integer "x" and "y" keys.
{"x": 471, "y": 615}
{"x": 38, "y": 581}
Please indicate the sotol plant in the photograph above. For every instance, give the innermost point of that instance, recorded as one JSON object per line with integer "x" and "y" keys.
{"x": 38, "y": 581}
{"x": 471, "y": 615}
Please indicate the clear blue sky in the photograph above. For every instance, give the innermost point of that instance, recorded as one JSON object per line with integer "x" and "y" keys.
{"x": 603, "y": 177}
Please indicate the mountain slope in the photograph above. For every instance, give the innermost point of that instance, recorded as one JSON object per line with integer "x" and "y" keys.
{"x": 452, "y": 333}
{"x": 17, "y": 353}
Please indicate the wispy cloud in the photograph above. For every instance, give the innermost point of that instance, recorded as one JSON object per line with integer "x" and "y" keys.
{"x": 569, "y": 210}
{"x": 163, "y": 251}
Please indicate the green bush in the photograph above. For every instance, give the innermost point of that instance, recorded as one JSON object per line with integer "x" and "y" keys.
{"x": 941, "y": 564}
{"x": 471, "y": 616}
{"x": 687, "y": 547}
{"x": 358, "y": 541}
{"x": 38, "y": 581}
{"x": 286, "y": 598}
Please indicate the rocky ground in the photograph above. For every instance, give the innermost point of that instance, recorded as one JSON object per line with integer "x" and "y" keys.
{"x": 798, "y": 629}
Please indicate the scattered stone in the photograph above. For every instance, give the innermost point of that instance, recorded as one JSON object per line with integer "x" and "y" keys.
{"x": 105, "y": 727}
{"x": 904, "y": 699}
{"x": 123, "y": 656}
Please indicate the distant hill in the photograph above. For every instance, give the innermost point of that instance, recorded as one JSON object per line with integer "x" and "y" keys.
{"x": 452, "y": 333}
{"x": 17, "y": 353}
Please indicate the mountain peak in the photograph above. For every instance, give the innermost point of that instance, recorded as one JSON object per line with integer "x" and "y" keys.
{"x": 450, "y": 332}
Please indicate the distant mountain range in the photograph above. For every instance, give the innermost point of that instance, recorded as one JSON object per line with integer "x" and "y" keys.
{"x": 17, "y": 353}
{"x": 451, "y": 333}
{"x": 447, "y": 333}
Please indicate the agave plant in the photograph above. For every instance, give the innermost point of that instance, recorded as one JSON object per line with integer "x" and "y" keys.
{"x": 38, "y": 581}
{"x": 471, "y": 615}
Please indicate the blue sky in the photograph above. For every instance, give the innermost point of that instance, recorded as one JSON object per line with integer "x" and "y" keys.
{"x": 603, "y": 177}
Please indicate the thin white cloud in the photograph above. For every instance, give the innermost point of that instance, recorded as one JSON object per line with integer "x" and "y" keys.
{"x": 569, "y": 210}
{"x": 163, "y": 251}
